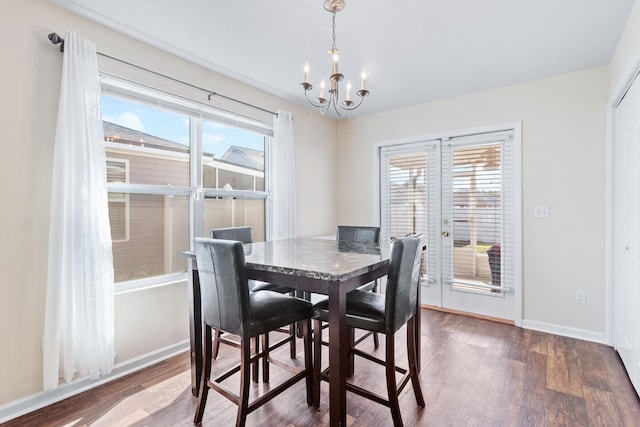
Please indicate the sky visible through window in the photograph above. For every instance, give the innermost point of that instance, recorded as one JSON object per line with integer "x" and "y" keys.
{"x": 217, "y": 138}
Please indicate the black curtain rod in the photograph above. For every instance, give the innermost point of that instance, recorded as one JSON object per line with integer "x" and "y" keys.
{"x": 56, "y": 39}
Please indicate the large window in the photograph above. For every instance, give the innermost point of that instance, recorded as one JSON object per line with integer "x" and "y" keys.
{"x": 175, "y": 169}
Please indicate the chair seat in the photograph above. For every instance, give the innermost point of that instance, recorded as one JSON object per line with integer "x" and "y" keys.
{"x": 257, "y": 285}
{"x": 271, "y": 310}
{"x": 365, "y": 310}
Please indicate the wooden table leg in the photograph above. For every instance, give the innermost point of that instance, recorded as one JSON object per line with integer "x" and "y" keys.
{"x": 338, "y": 356}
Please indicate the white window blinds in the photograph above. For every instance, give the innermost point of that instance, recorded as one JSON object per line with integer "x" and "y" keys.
{"x": 409, "y": 192}
{"x": 477, "y": 206}
{"x": 460, "y": 194}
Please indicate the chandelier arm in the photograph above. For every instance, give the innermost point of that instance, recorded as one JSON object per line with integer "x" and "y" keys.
{"x": 306, "y": 94}
{"x": 354, "y": 106}
{"x": 335, "y": 97}
{"x": 325, "y": 108}
{"x": 317, "y": 105}
{"x": 335, "y": 108}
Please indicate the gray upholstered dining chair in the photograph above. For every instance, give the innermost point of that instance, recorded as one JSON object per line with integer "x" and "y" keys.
{"x": 245, "y": 235}
{"x": 385, "y": 314}
{"x": 358, "y": 233}
{"x": 227, "y": 305}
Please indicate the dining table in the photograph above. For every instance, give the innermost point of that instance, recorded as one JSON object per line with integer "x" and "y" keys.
{"x": 317, "y": 265}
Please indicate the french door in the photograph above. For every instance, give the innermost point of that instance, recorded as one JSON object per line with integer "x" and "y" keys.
{"x": 460, "y": 194}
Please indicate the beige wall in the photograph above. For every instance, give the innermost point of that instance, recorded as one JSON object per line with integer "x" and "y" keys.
{"x": 30, "y": 85}
{"x": 563, "y": 149}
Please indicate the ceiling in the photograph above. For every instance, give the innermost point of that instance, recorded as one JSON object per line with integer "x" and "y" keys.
{"x": 413, "y": 51}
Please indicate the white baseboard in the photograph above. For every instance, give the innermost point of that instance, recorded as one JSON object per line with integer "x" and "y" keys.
{"x": 565, "y": 331}
{"x": 39, "y": 400}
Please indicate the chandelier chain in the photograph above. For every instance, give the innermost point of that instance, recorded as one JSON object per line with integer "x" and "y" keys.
{"x": 334, "y": 31}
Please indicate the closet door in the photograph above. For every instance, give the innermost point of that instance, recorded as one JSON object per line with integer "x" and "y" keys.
{"x": 626, "y": 239}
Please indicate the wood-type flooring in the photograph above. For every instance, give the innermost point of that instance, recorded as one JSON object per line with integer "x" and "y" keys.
{"x": 475, "y": 372}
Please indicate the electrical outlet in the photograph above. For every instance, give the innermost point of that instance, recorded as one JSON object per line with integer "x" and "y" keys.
{"x": 581, "y": 297}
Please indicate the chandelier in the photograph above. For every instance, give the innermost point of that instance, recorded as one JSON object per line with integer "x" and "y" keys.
{"x": 333, "y": 96}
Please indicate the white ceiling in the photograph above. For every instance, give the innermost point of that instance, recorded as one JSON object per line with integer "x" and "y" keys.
{"x": 413, "y": 51}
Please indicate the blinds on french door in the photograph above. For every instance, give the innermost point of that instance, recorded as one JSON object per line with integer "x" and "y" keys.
{"x": 409, "y": 190}
{"x": 477, "y": 209}
{"x": 462, "y": 187}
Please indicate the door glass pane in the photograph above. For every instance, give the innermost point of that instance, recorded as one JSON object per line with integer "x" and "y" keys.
{"x": 477, "y": 216}
{"x": 408, "y": 202}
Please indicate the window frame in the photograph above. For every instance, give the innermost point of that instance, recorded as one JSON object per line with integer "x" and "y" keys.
{"x": 124, "y": 200}
{"x": 197, "y": 113}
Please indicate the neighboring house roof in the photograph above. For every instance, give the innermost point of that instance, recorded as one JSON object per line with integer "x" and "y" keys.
{"x": 244, "y": 156}
{"x": 239, "y": 156}
{"x": 124, "y": 135}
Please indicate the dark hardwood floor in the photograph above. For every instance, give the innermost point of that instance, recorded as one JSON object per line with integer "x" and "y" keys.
{"x": 474, "y": 373}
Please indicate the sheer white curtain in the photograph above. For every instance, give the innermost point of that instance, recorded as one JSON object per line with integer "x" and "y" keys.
{"x": 78, "y": 337}
{"x": 283, "y": 175}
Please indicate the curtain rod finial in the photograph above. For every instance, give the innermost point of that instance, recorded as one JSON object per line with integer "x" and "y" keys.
{"x": 56, "y": 39}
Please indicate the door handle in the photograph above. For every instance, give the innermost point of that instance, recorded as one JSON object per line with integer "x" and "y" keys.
{"x": 445, "y": 233}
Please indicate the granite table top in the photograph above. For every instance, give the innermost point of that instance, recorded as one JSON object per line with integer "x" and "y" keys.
{"x": 316, "y": 257}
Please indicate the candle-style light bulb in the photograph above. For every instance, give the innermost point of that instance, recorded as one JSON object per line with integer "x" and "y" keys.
{"x": 322, "y": 85}
{"x": 348, "y": 97}
{"x": 306, "y": 72}
{"x": 363, "y": 76}
{"x": 334, "y": 63}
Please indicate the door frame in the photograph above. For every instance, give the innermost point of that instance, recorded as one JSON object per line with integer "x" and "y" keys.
{"x": 516, "y": 128}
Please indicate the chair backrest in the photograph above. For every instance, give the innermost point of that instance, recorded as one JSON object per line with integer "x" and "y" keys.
{"x": 241, "y": 234}
{"x": 356, "y": 233}
{"x": 403, "y": 281}
{"x": 223, "y": 282}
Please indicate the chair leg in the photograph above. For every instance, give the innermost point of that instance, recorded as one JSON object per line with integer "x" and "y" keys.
{"x": 306, "y": 296}
{"x": 376, "y": 341}
{"x": 308, "y": 363}
{"x": 413, "y": 354}
{"x": 265, "y": 357}
{"x": 243, "y": 394}
{"x": 392, "y": 389}
{"x": 206, "y": 374}
{"x": 317, "y": 361}
{"x": 256, "y": 349}
{"x": 292, "y": 344}
{"x": 352, "y": 358}
{"x": 216, "y": 343}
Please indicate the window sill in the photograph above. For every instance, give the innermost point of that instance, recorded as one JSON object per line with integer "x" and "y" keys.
{"x": 151, "y": 282}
